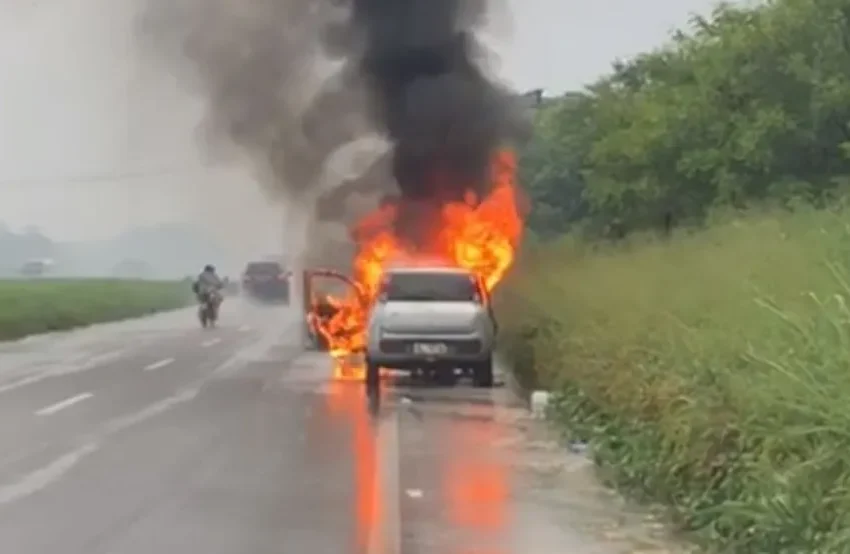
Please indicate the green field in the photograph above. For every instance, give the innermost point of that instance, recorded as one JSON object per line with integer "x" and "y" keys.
{"x": 710, "y": 371}
{"x": 38, "y": 306}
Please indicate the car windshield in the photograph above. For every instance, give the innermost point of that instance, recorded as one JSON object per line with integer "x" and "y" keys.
{"x": 439, "y": 287}
{"x": 264, "y": 268}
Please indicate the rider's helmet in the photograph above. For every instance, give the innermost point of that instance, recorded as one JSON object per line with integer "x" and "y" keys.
{"x": 209, "y": 268}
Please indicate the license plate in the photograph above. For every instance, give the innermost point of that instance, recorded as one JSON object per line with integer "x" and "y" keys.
{"x": 430, "y": 348}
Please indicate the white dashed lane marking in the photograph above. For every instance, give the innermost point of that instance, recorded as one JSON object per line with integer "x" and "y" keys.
{"x": 211, "y": 342}
{"x": 67, "y": 403}
{"x": 160, "y": 364}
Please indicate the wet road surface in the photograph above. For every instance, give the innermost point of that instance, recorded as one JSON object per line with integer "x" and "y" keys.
{"x": 156, "y": 436}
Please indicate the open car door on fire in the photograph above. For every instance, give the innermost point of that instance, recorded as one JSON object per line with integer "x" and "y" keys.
{"x": 320, "y": 308}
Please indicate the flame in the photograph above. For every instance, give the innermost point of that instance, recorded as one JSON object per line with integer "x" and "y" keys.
{"x": 480, "y": 235}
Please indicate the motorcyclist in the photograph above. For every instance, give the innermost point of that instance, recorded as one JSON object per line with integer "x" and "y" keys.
{"x": 207, "y": 283}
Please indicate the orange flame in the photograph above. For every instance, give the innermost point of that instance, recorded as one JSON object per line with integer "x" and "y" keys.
{"x": 480, "y": 235}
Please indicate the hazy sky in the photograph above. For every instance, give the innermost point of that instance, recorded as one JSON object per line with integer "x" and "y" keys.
{"x": 92, "y": 142}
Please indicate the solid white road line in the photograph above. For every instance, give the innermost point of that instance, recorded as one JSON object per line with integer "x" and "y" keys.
{"x": 67, "y": 403}
{"x": 385, "y": 535}
{"x": 160, "y": 364}
{"x": 211, "y": 342}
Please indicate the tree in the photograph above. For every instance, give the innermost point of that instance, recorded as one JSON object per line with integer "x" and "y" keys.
{"x": 551, "y": 165}
{"x": 753, "y": 104}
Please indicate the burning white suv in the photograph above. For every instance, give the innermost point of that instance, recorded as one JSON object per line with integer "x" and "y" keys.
{"x": 435, "y": 319}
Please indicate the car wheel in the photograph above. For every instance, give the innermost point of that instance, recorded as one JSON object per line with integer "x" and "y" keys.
{"x": 482, "y": 374}
{"x": 373, "y": 378}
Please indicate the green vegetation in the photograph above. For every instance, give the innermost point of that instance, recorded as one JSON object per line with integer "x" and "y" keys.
{"x": 754, "y": 105}
{"x": 707, "y": 365}
{"x": 710, "y": 371}
{"x": 30, "y": 307}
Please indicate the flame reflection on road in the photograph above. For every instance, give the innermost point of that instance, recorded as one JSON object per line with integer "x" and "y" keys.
{"x": 471, "y": 482}
{"x": 476, "y": 487}
{"x": 347, "y": 403}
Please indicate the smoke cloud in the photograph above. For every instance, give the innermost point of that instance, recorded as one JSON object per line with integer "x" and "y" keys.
{"x": 291, "y": 82}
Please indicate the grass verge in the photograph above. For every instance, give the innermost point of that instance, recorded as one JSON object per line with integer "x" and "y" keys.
{"x": 709, "y": 372}
{"x": 39, "y": 306}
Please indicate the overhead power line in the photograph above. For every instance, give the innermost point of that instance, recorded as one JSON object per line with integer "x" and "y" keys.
{"x": 102, "y": 177}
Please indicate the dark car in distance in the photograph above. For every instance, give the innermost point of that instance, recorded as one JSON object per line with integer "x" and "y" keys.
{"x": 267, "y": 281}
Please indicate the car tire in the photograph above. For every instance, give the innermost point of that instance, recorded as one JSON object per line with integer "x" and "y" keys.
{"x": 373, "y": 377}
{"x": 482, "y": 374}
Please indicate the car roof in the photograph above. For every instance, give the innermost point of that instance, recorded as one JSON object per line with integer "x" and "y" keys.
{"x": 264, "y": 265}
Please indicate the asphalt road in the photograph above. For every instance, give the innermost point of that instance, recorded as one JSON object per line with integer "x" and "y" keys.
{"x": 157, "y": 436}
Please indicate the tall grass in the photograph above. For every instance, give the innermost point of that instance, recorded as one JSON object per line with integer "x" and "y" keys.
{"x": 710, "y": 371}
{"x": 37, "y": 306}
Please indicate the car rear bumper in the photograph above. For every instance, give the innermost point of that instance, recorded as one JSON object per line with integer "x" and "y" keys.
{"x": 397, "y": 353}
{"x": 412, "y": 364}
{"x": 408, "y": 360}
{"x": 268, "y": 290}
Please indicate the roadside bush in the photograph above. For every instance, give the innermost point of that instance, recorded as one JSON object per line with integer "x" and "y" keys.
{"x": 38, "y": 306}
{"x": 708, "y": 371}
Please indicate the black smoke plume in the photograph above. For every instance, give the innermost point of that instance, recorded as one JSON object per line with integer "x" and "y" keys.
{"x": 409, "y": 69}
{"x": 444, "y": 117}
{"x": 255, "y": 63}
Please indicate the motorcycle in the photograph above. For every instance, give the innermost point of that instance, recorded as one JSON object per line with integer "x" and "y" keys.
{"x": 208, "y": 310}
